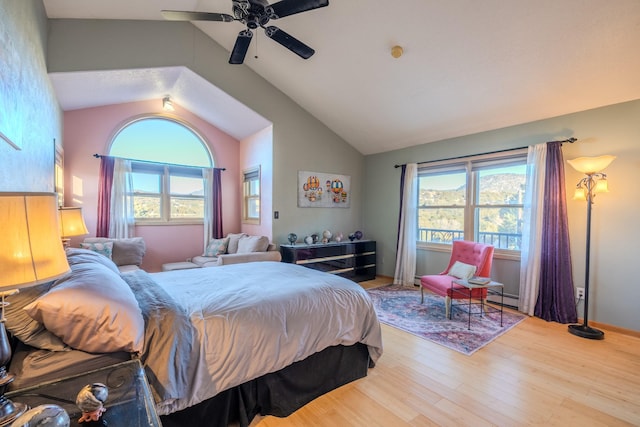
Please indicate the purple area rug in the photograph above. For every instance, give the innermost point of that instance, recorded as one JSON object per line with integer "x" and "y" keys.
{"x": 400, "y": 307}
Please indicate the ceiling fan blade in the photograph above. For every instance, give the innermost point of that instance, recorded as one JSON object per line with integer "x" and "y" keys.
{"x": 289, "y": 7}
{"x": 179, "y": 15}
{"x": 240, "y": 48}
{"x": 291, "y": 43}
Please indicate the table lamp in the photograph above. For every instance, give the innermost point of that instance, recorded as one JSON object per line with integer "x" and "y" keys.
{"x": 71, "y": 224}
{"x": 31, "y": 253}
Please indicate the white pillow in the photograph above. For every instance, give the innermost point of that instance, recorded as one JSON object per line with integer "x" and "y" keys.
{"x": 232, "y": 247}
{"x": 462, "y": 270}
{"x": 91, "y": 309}
{"x": 248, "y": 244}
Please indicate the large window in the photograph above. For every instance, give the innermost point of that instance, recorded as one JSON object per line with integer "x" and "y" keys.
{"x": 478, "y": 199}
{"x": 167, "y": 161}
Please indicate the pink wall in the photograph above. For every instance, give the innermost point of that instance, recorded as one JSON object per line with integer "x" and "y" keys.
{"x": 89, "y": 131}
{"x": 257, "y": 150}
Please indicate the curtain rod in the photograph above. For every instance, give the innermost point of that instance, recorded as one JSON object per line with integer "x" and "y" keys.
{"x": 569, "y": 140}
{"x": 99, "y": 156}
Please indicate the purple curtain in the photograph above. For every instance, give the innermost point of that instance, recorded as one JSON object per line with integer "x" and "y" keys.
{"x": 216, "y": 199}
{"x": 555, "y": 296}
{"x": 104, "y": 196}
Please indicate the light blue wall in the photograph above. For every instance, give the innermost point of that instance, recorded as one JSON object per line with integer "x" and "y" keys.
{"x": 615, "y": 230}
{"x": 31, "y": 117}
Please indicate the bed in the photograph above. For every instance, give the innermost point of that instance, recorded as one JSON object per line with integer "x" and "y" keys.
{"x": 220, "y": 345}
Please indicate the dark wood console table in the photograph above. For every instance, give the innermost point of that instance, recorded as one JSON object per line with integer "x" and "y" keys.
{"x": 354, "y": 260}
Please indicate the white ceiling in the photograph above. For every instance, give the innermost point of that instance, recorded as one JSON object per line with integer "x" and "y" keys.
{"x": 468, "y": 66}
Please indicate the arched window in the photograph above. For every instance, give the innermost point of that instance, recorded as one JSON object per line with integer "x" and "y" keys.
{"x": 167, "y": 159}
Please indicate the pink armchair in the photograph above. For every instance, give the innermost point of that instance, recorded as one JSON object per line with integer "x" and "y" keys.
{"x": 467, "y": 252}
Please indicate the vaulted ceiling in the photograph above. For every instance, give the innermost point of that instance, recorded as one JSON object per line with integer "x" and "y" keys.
{"x": 467, "y": 66}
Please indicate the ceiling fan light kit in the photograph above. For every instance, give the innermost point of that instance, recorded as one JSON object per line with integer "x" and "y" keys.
{"x": 254, "y": 14}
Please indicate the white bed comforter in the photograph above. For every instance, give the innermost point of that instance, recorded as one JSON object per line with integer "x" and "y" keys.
{"x": 255, "y": 318}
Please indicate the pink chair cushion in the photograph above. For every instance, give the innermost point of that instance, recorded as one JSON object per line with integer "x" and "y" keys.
{"x": 440, "y": 284}
{"x": 472, "y": 253}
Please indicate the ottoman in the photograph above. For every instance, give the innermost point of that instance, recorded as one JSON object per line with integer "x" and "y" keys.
{"x": 183, "y": 265}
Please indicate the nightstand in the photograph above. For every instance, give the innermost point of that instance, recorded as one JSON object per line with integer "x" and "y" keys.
{"x": 130, "y": 402}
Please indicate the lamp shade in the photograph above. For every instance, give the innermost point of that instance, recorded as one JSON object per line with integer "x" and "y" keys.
{"x": 591, "y": 165}
{"x": 31, "y": 250}
{"x": 580, "y": 194}
{"x": 601, "y": 186}
{"x": 72, "y": 222}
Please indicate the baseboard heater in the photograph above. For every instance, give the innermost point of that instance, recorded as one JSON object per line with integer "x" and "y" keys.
{"x": 510, "y": 300}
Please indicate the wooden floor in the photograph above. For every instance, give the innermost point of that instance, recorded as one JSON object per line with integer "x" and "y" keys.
{"x": 537, "y": 374}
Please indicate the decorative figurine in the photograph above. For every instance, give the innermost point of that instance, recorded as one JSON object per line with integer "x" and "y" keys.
{"x": 43, "y": 416}
{"x": 292, "y": 237}
{"x": 308, "y": 240}
{"x": 315, "y": 238}
{"x": 327, "y": 235}
{"x": 352, "y": 237}
{"x": 91, "y": 400}
{"x": 338, "y": 237}
{"x": 358, "y": 234}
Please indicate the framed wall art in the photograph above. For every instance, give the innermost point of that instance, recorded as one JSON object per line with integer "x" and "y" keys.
{"x": 323, "y": 190}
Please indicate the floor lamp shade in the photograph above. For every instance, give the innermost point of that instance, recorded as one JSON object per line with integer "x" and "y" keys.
{"x": 31, "y": 251}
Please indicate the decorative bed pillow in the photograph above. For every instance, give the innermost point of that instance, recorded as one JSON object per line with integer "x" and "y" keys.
{"x": 232, "y": 248}
{"x": 462, "y": 270}
{"x": 23, "y": 326}
{"x": 103, "y": 248}
{"x": 248, "y": 244}
{"x": 93, "y": 310}
{"x": 216, "y": 247}
{"x": 77, "y": 256}
{"x": 129, "y": 251}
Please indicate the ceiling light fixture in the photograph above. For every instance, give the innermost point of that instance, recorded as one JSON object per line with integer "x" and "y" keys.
{"x": 396, "y": 51}
{"x": 167, "y": 104}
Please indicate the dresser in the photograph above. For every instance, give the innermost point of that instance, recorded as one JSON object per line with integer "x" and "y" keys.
{"x": 354, "y": 260}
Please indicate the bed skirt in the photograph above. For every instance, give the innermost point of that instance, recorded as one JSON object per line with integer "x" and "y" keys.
{"x": 280, "y": 393}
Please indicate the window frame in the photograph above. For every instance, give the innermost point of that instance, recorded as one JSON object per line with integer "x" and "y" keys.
{"x": 471, "y": 165}
{"x": 250, "y": 175}
{"x": 164, "y": 171}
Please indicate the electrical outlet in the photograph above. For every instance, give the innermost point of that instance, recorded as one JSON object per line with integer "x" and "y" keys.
{"x": 579, "y": 293}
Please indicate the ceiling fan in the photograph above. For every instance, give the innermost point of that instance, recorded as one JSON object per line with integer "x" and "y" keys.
{"x": 254, "y": 14}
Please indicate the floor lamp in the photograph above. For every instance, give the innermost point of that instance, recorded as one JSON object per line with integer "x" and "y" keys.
{"x": 594, "y": 182}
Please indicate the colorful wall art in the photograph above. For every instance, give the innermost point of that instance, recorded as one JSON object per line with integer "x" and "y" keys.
{"x": 323, "y": 190}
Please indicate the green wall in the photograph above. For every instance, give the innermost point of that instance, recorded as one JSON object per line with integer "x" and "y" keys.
{"x": 609, "y": 130}
{"x": 29, "y": 112}
{"x": 300, "y": 141}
